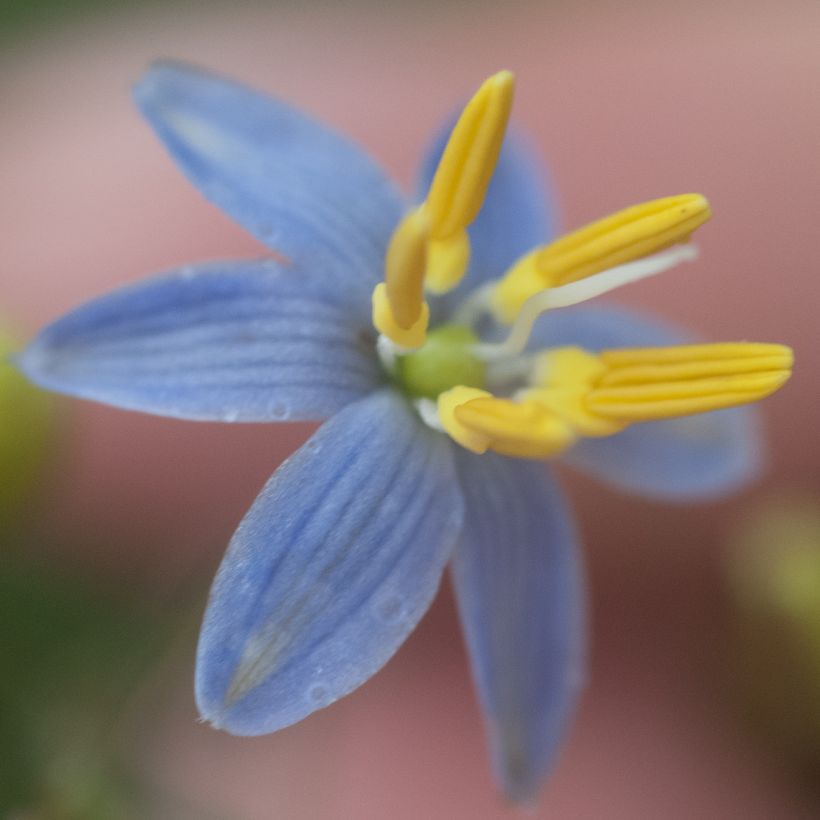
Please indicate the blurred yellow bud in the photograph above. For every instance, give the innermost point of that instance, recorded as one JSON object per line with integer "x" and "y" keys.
{"x": 25, "y": 424}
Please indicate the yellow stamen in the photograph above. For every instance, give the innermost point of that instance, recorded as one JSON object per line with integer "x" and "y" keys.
{"x": 622, "y": 386}
{"x": 657, "y": 383}
{"x": 446, "y": 262}
{"x": 446, "y": 405}
{"x": 405, "y": 264}
{"x": 623, "y": 237}
{"x": 430, "y": 247}
{"x": 563, "y": 377}
{"x": 463, "y": 174}
{"x": 411, "y": 338}
{"x": 479, "y": 421}
{"x": 663, "y": 401}
{"x": 693, "y": 361}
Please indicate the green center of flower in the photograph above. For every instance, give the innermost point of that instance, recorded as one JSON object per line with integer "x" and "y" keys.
{"x": 445, "y": 360}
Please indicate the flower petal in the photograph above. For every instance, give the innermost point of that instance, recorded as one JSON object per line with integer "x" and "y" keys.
{"x": 331, "y": 569}
{"x": 232, "y": 341}
{"x": 516, "y": 216}
{"x": 680, "y": 459}
{"x": 518, "y": 588}
{"x": 603, "y": 325}
{"x": 296, "y": 185}
{"x": 685, "y": 459}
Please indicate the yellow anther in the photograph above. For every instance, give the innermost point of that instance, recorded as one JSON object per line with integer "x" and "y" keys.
{"x": 658, "y": 383}
{"x": 411, "y": 338}
{"x": 480, "y": 422}
{"x": 649, "y": 364}
{"x": 562, "y": 378}
{"x": 601, "y": 394}
{"x": 623, "y": 237}
{"x": 405, "y": 266}
{"x": 430, "y": 247}
{"x": 521, "y": 429}
{"x": 463, "y": 174}
{"x": 446, "y": 262}
{"x": 447, "y": 404}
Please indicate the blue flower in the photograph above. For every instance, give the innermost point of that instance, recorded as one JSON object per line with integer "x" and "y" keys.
{"x": 414, "y": 468}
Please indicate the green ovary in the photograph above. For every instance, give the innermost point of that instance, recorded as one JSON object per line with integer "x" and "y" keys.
{"x": 445, "y": 361}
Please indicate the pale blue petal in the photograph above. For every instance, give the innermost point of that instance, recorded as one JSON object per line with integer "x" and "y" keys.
{"x": 232, "y": 341}
{"x": 516, "y": 217}
{"x": 685, "y": 459}
{"x": 331, "y": 569}
{"x": 519, "y": 593}
{"x": 682, "y": 459}
{"x": 599, "y": 326}
{"x": 296, "y": 185}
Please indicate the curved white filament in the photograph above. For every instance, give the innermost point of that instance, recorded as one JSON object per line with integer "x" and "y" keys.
{"x": 580, "y": 291}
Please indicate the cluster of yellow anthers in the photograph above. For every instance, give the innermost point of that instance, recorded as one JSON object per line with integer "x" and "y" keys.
{"x": 567, "y": 392}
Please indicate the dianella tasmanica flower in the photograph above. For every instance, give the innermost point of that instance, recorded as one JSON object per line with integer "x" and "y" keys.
{"x": 438, "y": 343}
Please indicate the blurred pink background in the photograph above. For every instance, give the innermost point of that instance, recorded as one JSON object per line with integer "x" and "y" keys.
{"x": 627, "y": 102}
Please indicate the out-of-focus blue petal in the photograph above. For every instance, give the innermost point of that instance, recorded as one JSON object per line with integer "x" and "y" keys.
{"x": 600, "y": 326}
{"x": 517, "y": 214}
{"x": 296, "y": 185}
{"x": 232, "y": 341}
{"x": 330, "y": 570}
{"x": 518, "y": 588}
{"x": 685, "y": 459}
{"x": 679, "y": 459}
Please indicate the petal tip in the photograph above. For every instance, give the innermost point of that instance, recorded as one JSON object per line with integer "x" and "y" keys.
{"x": 161, "y": 70}
{"x": 520, "y": 778}
{"x": 164, "y": 78}
{"x": 34, "y": 361}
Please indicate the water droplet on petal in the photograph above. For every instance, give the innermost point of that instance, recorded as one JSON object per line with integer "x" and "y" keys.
{"x": 317, "y": 694}
{"x": 390, "y": 609}
{"x": 312, "y": 446}
{"x": 280, "y": 411}
{"x": 269, "y": 234}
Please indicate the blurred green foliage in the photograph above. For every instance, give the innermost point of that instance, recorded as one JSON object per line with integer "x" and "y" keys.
{"x": 76, "y": 651}
{"x": 23, "y": 16}
{"x": 73, "y": 654}
{"x": 30, "y": 17}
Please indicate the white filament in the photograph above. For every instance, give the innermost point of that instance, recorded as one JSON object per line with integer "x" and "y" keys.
{"x": 580, "y": 291}
{"x": 428, "y": 412}
{"x": 388, "y": 351}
